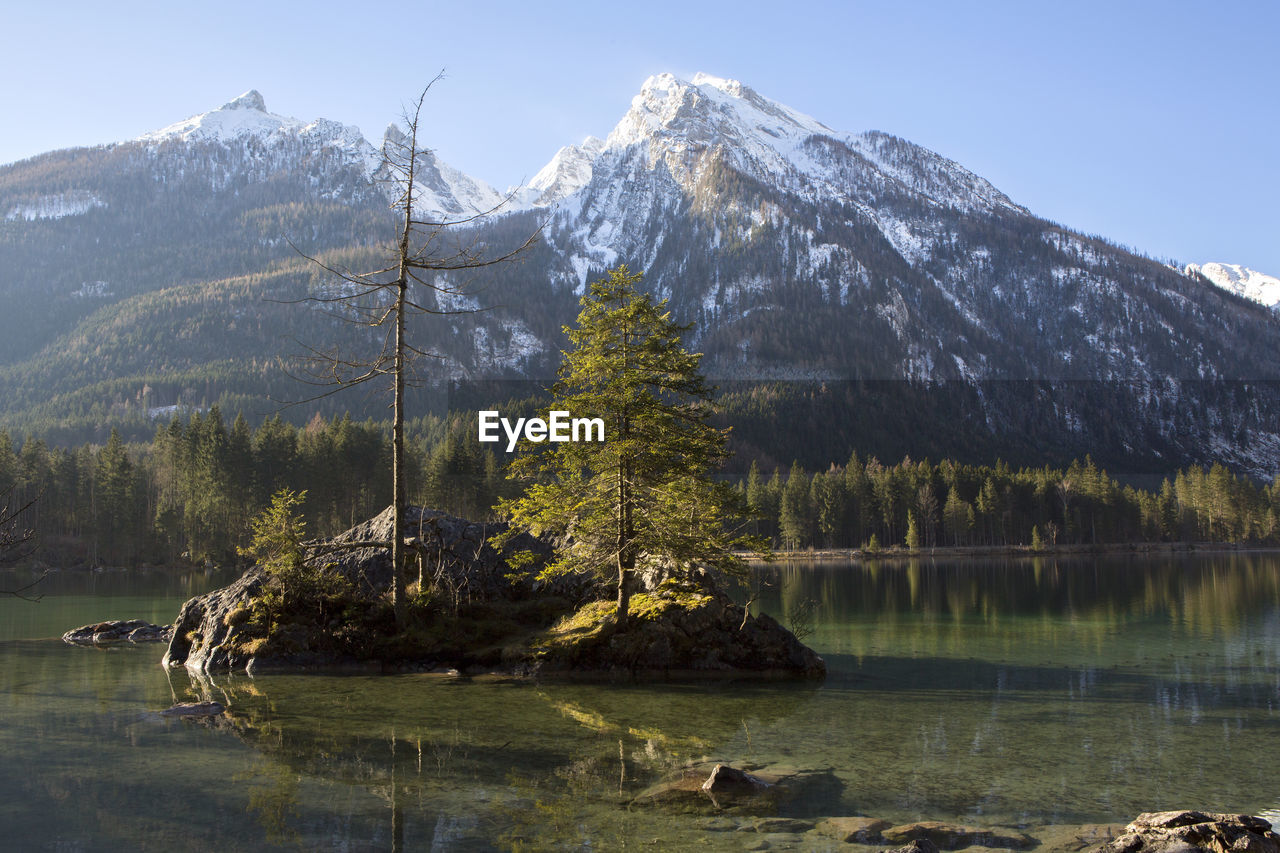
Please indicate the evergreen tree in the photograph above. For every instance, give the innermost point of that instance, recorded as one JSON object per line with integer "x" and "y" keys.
{"x": 957, "y": 518}
{"x": 829, "y": 505}
{"x": 115, "y": 501}
{"x": 913, "y": 532}
{"x": 642, "y": 498}
{"x": 795, "y": 519}
{"x": 756, "y": 495}
{"x": 857, "y": 487}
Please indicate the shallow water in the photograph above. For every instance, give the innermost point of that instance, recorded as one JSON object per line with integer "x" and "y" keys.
{"x": 1016, "y": 693}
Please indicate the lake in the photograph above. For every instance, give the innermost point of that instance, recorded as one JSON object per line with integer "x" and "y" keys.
{"x": 1037, "y": 694}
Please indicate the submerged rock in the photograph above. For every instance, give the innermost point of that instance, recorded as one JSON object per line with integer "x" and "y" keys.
{"x": 777, "y": 825}
{"x": 1074, "y": 838}
{"x": 853, "y": 830}
{"x": 194, "y": 709}
{"x": 729, "y": 780}
{"x": 1184, "y": 831}
{"x": 919, "y": 845}
{"x": 117, "y": 631}
{"x": 706, "y": 787}
{"x": 949, "y": 836}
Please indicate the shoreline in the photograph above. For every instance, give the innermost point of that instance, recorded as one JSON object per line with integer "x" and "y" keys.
{"x": 1017, "y": 551}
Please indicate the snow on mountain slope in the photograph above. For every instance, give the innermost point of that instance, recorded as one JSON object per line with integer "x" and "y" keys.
{"x": 677, "y": 138}
{"x": 677, "y": 121}
{"x": 443, "y": 191}
{"x": 246, "y": 117}
{"x": 55, "y": 206}
{"x": 739, "y": 208}
{"x": 1240, "y": 280}
{"x": 567, "y": 172}
{"x": 710, "y": 111}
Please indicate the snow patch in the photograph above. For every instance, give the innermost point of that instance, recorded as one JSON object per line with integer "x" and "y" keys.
{"x": 911, "y": 245}
{"x": 515, "y": 352}
{"x": 90, "y": 289}
{"x": 56, "y": 206}
{"x": 1073, "y": 246}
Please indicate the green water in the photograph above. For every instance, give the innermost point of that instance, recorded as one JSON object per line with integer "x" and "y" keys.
{"x": 1021, "y": 693}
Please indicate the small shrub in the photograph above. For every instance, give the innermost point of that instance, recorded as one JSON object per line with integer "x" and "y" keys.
{"x": 296, "y": 586}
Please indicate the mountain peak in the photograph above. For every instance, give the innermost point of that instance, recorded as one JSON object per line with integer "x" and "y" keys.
{"x": 250, "y": 100}
{"x": 240, "y": 117}
{"x": 709, "y": 108}
{"x": 394, "y": 135}
{"x": 568, "y": 172}
{"x": 729, "y": 87}
{"x": 246, "y": 117}
{"x": 1241, "y": 280}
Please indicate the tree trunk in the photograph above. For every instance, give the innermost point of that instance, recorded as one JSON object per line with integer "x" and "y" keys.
{"x": 398, "y": 498}
{"x": 626, "y": 548}
{"x": 624, "y": 598}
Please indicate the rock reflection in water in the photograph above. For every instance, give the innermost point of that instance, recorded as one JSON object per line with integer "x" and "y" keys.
{"x": 478, "y": 762}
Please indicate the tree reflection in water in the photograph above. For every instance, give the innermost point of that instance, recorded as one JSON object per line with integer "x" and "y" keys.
{"x": 487, "y": 761}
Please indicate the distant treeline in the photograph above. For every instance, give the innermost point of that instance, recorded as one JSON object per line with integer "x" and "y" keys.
{"x": 921, "y": 504}
{"x": 188, "y": 494}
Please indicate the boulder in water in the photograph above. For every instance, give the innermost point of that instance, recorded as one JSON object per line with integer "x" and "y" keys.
{"x": 1185, "y": 831}
{"x": 117, "y": 631}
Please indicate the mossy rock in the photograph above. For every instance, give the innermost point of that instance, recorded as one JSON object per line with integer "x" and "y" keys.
{"x": 672, "y": 630}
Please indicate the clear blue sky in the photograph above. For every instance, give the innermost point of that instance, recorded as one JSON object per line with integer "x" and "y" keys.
{"x": 1156, "y": 124}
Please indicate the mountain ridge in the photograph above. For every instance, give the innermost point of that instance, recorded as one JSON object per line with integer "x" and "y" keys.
{"x": 795, "y": 252}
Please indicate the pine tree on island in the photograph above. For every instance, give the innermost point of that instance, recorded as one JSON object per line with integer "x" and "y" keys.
{"x": 644, "y": 497}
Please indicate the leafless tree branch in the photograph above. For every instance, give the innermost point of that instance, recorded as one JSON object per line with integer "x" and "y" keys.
{"x": 17, "y": 542}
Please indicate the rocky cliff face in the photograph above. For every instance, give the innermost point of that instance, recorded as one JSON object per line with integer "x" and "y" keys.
{"x": 207, "y": 626}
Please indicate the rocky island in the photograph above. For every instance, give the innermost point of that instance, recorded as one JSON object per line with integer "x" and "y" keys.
{"x": 473, "y": 613}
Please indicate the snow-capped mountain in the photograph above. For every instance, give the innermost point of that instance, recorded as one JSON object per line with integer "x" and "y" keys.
{"x": 680, "y": 122}
{"x": 803, "y": 252}
{"x": 796, "y": 251}
{"x": 246, "y": 117}
{"x": 1251, "y": 284}
{"x": 244, "y": 122}
{"x": 966, "y": 283}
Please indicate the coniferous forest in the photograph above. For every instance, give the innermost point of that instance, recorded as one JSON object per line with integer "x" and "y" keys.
{"x": 187, "y": 495}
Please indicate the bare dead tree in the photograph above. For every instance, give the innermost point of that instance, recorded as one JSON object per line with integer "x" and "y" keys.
{"x": 17, "y": 542}
{"x": 418, "y": 279}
